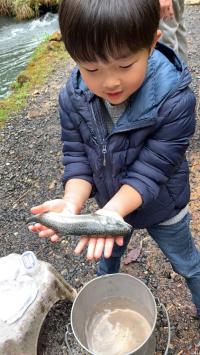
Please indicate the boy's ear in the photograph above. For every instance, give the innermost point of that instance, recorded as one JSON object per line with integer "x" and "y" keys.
{"x": 155, "y": 40}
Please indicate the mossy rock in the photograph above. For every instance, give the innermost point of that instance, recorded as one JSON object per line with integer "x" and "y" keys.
{"x": 56, "y": 36}
{"x": 52, "y": 46}
{"x": 22, "y": 79}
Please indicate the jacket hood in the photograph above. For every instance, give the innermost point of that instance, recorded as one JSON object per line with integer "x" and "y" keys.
{"x": 166, "y": 73}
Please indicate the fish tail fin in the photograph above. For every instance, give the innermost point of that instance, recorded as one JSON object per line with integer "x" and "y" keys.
{"x": 33, "y": 218}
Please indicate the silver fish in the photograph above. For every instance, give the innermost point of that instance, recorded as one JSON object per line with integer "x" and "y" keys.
{"x": 84, "y": 224}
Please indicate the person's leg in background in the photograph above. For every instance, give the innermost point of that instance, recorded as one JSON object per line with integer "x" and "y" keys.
{"x": 173, "y": 30}
{"x": 181, "y": 33}
{"x": 177, "y": 244}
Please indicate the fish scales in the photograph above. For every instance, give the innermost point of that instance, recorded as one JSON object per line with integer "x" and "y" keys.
{"x": 85, "y": 224}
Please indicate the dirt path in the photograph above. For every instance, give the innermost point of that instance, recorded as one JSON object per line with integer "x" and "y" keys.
{"x": 30, "y": 173}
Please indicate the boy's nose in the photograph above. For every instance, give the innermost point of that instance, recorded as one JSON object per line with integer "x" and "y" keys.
{"x": 111, "y": 84}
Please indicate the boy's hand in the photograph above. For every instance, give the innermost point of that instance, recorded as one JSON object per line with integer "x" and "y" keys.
{"x": 166, "y": 9}
{"x": 99, "y": 246}
{"x": 58, "y": 205}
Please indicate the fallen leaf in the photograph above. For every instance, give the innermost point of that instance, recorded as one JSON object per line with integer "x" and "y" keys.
{"x": 34, "y": 114}
{"x": 132, "y": 255}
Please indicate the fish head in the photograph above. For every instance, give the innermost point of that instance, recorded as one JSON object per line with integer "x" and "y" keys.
{"x": 119, "y": 223}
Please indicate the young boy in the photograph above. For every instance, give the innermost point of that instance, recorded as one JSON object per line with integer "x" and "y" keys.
{"x": 127, "y": 115}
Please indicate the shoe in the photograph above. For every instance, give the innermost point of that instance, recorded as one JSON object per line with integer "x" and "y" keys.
{"x": 196, "y": 317}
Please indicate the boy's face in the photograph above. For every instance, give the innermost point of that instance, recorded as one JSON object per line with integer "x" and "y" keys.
{"x": 116, "y": 79}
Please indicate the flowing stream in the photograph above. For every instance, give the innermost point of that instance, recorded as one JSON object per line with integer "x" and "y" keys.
{"x": 17, "y": 42}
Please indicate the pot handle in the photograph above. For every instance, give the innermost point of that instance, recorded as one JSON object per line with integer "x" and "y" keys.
{"x": 68, "y": 333}
{"x": 163, "y": 309}
{"x": 160, "y": 306}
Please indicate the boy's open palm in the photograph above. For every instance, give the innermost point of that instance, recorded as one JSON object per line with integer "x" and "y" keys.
{"x": 57, "y": 205}
{"x": 99, "y": 246}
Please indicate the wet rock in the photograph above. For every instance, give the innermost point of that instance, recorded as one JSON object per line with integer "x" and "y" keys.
{"x": 22, "y": 79}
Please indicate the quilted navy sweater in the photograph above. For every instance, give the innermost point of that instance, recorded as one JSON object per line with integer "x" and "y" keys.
{"x": 146, "y": 148}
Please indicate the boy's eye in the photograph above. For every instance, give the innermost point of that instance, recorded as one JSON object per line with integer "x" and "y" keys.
{"x": 126, "y": 66}
{"x": 92, "y": 70}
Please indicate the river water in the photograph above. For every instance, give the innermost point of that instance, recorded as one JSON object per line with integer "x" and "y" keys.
{"x": 17, "y": 42}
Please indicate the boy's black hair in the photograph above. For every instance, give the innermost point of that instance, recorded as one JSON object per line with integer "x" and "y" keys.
{"x": 99, "y": 29}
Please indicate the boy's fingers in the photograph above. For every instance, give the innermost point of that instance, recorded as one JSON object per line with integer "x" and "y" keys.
{"x": 96, "y": 246}
{"x": 119, "y": 241}
{"x": 37, "y": 227}
{"x": 100, "y": 243}
{"x": 43, "y": 232}
{"x": 46, "y": 233}
{"x": 52, "y": 205}
{"x": 171, "y": 10}
{"x": 39, "y": 209}
{"x": 166, "y": 9}
{"x": 55, "y": 238}
{"x": 91, "y": 248}
{"x": 168, "y": 13}
{"x": 81, "y": 245}
{"x": 109, "y": 243}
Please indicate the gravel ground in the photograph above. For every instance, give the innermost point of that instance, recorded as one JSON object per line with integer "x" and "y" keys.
{"x": 30, "y": 174}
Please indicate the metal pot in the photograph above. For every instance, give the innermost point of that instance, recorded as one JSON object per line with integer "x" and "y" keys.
{"x": 119, "y": 285}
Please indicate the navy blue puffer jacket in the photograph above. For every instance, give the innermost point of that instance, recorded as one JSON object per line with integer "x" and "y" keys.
{"x": 147, "y": 146}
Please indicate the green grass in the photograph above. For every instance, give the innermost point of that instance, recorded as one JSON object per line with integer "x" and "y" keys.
{"x": 43, "y": 61}
{"x": 25, "y": 9}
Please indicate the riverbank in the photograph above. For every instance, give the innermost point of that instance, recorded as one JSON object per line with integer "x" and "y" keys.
{"x": 43, "y": 61}
{"x": 30, "y": 174}
{"x": 27, "y": 9}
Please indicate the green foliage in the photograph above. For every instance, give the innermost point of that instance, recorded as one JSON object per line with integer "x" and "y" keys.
{"x": 32, "y": 77}
{"x": 24, "y": 9}
{"x": 36, "y": 6}
{"x": 6, "y": 7}
{"x": 40, "y": 49}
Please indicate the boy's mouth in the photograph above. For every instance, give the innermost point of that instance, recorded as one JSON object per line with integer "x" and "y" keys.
{"x": 114, "y": 94}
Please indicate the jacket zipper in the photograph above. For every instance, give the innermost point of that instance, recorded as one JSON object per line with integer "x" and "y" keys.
{"x": 104, "y": 152}
{"x": 101, "y": 138}
{"x": 102, "y": 142}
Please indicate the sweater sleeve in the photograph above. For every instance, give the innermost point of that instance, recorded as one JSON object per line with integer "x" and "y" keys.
{"x": 163, "y": 151}
{"x": 75, "y": 161}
